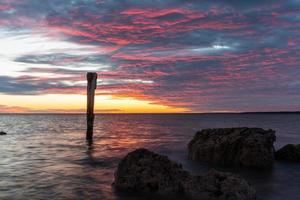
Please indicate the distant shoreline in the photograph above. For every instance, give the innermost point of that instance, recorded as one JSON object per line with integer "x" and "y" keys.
{"x": 206, "y": 113}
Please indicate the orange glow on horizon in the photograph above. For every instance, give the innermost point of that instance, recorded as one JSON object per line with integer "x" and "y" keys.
{"x": 63, "y": 103}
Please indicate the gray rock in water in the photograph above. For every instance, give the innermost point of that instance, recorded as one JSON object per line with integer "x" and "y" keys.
{"x": 250, "y": 147}
{"x": 147, "y": 172}
{"x": 289, "y": 152}
{"x": 2, "y": 133}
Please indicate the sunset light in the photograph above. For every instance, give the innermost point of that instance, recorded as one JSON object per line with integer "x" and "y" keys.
{"x": 149, "y": 99}
{"x": 181, "y": 57}
{"x": 63, "y": 103}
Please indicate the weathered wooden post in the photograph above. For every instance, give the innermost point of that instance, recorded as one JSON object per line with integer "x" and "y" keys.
{"x": 92, "y": 85}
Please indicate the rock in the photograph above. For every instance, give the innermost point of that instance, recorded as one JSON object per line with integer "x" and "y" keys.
{"x": 216, "y": 185}
{"x": 146, "y": 171}
{"x": 289, "y": 152}
{"x": 150, "y": 173}
{"x": 2, "y": 133}
{"x": 250, "y": 147}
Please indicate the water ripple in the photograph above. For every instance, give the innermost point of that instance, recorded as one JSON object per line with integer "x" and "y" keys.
{"x": 46, "y": 156}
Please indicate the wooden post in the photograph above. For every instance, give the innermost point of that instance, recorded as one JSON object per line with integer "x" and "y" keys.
{"x": 92, "y": 85}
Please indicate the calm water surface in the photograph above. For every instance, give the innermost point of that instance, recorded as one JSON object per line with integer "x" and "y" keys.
{"x": 46, "y": 156}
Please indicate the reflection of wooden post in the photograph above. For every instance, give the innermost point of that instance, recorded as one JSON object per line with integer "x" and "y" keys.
{"x": 92, "y": 85}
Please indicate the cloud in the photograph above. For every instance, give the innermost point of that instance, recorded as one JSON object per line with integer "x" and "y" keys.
{"x": 13, "y": 109}
{"x": 204, "y": 56}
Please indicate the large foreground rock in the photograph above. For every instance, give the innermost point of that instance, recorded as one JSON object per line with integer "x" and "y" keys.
{"x": 147, "y": 172}
{"x": 251, "y": 147}
{"x": 289, "y": 152}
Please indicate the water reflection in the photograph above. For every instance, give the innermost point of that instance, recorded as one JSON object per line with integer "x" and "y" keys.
{"x": 47, "y": 156}
{"x": 90, "y": 153}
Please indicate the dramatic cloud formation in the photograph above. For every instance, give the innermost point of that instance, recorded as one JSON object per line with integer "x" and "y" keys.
{"x": 197, "y": 56}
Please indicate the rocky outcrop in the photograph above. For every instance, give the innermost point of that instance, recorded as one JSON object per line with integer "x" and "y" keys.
{"x": 147, "y": 172}
{"x": 289, "y": 152}
{"x": 2, "y": 133}
{"x": 250, "y": 147}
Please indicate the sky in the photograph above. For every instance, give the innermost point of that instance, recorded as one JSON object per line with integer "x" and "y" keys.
{"x": 150, "y": 55}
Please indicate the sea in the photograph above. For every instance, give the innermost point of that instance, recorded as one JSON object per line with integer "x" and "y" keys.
{"x": 46, "y": 156}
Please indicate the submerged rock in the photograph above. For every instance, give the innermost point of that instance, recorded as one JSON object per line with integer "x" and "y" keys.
{"x": 3, "y": 133}
{"x": 147, "y": 172}
{"x": 289, "y": 152}
{"x": 251, "y": 147}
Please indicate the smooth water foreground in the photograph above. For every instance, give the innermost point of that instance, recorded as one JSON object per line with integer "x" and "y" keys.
{"x": 47, "y": 157}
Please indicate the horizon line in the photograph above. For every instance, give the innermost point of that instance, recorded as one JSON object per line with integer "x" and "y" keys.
{"x": 116, "y": 113}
